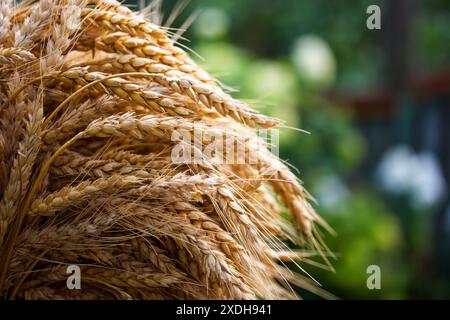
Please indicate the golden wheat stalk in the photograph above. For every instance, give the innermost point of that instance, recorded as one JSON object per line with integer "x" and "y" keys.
{"x": 90, "y": 99}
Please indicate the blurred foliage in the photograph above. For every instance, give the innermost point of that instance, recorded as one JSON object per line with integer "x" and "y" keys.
{"x": 372, "y": 238}
{"x": 280, "y": 56}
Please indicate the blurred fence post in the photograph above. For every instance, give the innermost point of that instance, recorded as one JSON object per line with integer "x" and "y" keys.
{"x": 398, "y": 47}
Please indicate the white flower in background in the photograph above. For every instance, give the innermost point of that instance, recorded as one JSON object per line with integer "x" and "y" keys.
{"x": 330, "y": 190}
{"x": 314, "y": 60}
{"x": 402, "y": 171}
{"x": 428, "y": 185}
{"x": 393, "y": 173}
{"x": 212, "y": 23}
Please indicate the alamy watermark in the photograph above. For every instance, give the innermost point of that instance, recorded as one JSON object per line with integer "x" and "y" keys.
{"x": 74, "y": 279}
{"x": 373, "y": 22}
{"x": 374, "y": 280}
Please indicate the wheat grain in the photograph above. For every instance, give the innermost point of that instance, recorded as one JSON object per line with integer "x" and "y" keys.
{"x": 5, "y": 13}
{"x": 34, "y": 26}
{"x": 90, "y": 99}
{"x": 69, "y": 196}
{"x": 22, "y": 167}
{"x": 146, "y": 48}
{"x": 210, "y": 96}
{"x": 118, "y": 22}
{"x": 15, "y": 56}
{"x": 128, "y": 90}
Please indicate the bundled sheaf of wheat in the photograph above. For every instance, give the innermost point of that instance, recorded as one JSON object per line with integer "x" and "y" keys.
{"x": 91, "y": 95}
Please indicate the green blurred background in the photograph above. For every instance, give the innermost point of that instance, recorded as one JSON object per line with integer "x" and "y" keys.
{"x": 377, "y": 106}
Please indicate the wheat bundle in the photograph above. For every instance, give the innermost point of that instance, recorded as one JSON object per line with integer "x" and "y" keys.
{"x": 91, "y": 97}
